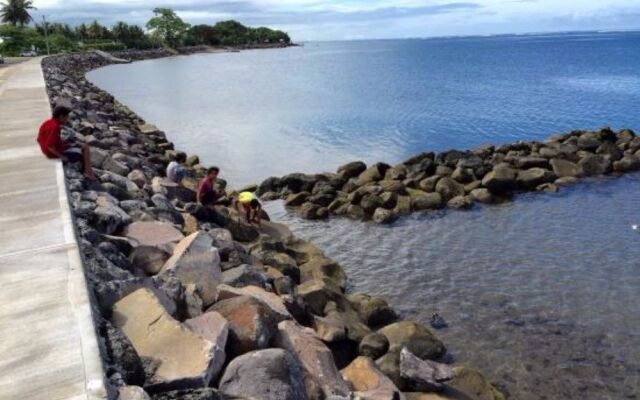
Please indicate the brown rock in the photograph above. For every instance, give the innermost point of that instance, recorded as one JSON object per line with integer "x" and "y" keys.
{"x": 369, "y": 382}
{"x": 321, "y": 376}
{"x": 195, "y": 261}
{"x": 184, "y": 359}
{"x": 154, "y": 234}
{"x": 252, "y": 325}
{"x": 416, "y": 338}
{"x": 271, "y": 300}
{"x": 213, "y": 327}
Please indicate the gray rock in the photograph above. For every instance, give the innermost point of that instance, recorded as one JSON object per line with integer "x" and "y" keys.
{"x": 627, "y": 164}
{"x": 272, "y": 374}
{"x": 428, "y": 201}
{"x": 116, "y": 167}
{"x": 460, "y": 202}
{"x": 352, "y": 169}
{"x": 374, "y": 345}
{"x": 565, "y": 168}
{"x": 534, "y": 177}
{"x": 501, "y": 179}
{"x": 595, "y": 165}
{"x": 244, "y": 275}
{"x": 423, "y": 375}
{"x": 384, "y": 216}
{"x": 449, "y": 188}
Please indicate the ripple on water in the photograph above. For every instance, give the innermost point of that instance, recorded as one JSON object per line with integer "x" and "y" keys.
{"x": 541, "y": 293}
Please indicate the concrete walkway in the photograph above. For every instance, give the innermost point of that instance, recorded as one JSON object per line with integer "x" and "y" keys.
{"x": 48, "y": 345}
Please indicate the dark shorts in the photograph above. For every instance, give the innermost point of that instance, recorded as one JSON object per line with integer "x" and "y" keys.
{"x": 73, "y": 154}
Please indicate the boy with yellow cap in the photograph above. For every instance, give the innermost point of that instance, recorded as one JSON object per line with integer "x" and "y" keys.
{"x": 252, "y": 207}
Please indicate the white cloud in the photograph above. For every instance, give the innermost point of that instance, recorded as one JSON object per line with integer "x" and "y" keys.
{"x": 323, "y": 19}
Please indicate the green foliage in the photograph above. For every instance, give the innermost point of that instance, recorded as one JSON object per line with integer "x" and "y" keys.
{"x": 101, "y": 45}
{"x": 168, "y": 27}
{"x": 18, "y": 39}
{"x": 233, "y": 33}
{"x": 16, "y": 12}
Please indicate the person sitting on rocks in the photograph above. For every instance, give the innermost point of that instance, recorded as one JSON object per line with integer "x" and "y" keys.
{"x": 207, "y": 191}
{"x": 53, "y": 146}
{"x": 252, "y": 207}
{"x": 176, "y": 171}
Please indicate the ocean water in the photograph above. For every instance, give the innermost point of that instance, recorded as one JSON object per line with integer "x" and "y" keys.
{"x": 543, "y": 294}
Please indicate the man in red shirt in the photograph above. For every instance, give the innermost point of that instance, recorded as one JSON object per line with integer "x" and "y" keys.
{"x": 53, "y": 146}
{"x": 207, "y": 194}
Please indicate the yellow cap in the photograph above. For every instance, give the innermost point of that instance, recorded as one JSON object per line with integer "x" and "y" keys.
{"x": 246, "y": 197}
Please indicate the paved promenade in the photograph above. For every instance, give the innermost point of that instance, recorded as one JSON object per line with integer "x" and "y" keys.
{"x": 48, "y": 345}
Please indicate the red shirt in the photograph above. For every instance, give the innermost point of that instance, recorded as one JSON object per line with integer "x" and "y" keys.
{"x": 206, "y": 192}
{"x": 49, "y": 137}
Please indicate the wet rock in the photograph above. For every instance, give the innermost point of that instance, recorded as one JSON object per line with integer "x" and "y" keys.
{"x": 184, "y": 359}
{"x": 352, "y": 169}
{"x": 627, "y": 164}
{"x": 213, "y": 327}
{"x": 374, "y": 311}
{"x": 403, "y": 205}
{"x": 371, "y": 174}
{"x": 195, "y": 261}
{"x": 594, "y": 165}
{"x": 565, "y": 168}
{"x": 316, "y": 295}
{"x": 370, "y": 202}
{"x": 534, "y": 177}
{"x": 427, "y": 201}
{"x": 282, "y": 262}
{"x": 369, "y": 382}
{"x": 354, "y": 212}
{"x": 296, "y": 200}
{"x": 501, "y": 179}
{"x": 309, "y": 211}
{"x": 272, "y": 374}
{"x": 423, "y": 375}
{"x": 416, "y": 338}
{"x": 326, "y": 270}
{"x": 374, "y": 345}
{"x": 460, "y": 202}
{"x": 611, "y": 150}
{"x": 242, "y": 231}
{"x": 383, "y": 216}
{"x": 252, "y": 324}
{"x": 321, "y": 376}
{"x": 472, "y": 382}
{"x": 449, "y": 188}
{"x": 463, "y": 175}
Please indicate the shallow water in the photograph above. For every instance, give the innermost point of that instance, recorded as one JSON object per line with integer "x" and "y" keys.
{"x": 543, "y": 293}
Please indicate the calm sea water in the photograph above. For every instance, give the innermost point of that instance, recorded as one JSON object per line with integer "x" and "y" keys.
{"x": 542, "y": 294}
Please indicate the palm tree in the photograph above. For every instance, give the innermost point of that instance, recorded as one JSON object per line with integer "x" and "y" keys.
{"x": 16, "y": 12}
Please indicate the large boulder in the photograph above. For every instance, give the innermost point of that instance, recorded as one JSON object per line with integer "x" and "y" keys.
{"x": 244, "y": 275}
{"x": 271, "y": 300}
{"x": 449, "y": 188}
{"x": 534, "y": 177}
{"x": 416, "y": 338}
{"x": 374, "y": 311}
{"x": 427, "y": 201}
{"x": 183, "y": 359}
{"x": 594, "y": 165}
{"x": 472, "y": 382}
{"x": 324, "y": 269}
{"x": 271, "y": 374}
{"x": 627, "y": 164}
{"x": 501, "y": 179}
{"x": 383, "y": 216}
{"x": 107, "y": 217}
{"x": 369, "y": 382}
{"x": 423, "y": 375}
{"x": 352, "y": 169}
{"x": 321, "y": 376}
{"x": 196, "y": 262}
{"x": 149, "y": 259}
{"x": 213, "y": 327}
{"x": 242, "y": 231}
{"x": 154, "y": 234}
{"x": 252, "y": 324}
{"x": 564, "y": 168}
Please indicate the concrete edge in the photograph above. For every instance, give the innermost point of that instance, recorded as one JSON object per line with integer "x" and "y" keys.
{"x": 78, "y": 295}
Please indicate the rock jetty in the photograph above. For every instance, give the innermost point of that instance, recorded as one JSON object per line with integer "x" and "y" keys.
{"x": 194, "y": 303}
{"x": 456, "y": 179}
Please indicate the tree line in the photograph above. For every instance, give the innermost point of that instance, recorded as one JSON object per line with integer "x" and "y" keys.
{"x": 165, "y": 28}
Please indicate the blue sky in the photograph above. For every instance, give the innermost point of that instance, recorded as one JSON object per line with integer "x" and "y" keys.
{"x": 360, "y": 19}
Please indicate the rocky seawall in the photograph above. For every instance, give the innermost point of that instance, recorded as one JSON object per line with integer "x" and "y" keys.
{"x": 456, "y": 179}
{"x": 194, "y": 303}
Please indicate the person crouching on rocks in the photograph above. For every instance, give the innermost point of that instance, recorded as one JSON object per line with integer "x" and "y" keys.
{"x": 53, "y": 146}
{"x": 208, "y": 194}
{"x": 176, "y": 171}
{"x": 252, "y": 207}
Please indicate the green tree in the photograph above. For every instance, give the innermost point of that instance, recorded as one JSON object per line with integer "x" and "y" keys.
{"x": 204, "y": 35}
{"x": 167, "y": 26}
{"x": 81, "y": 32}
{"x": 16, "y": 12}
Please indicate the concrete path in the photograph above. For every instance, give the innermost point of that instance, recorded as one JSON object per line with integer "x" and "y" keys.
{"x": 48, "y": 345}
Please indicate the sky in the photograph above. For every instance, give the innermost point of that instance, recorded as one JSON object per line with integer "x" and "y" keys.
{"x": 307, "y": 20}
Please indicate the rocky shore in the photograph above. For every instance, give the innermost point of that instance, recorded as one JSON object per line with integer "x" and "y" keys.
{"x": 456, "y": 179}
{"x": 194, "y": 303}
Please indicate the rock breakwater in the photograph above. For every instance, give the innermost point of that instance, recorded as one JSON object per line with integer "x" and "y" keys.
{"x": 456, "y": 179}
{"x": 193, "y": 302}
